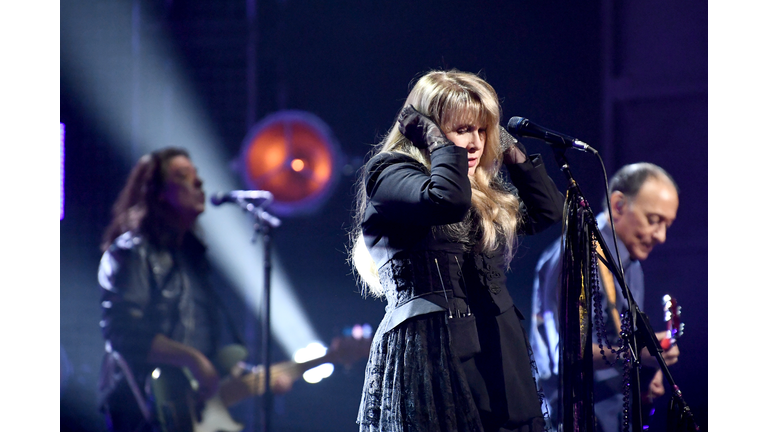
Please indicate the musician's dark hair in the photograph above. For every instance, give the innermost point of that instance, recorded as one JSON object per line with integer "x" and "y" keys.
{"x": 630, "y": 178}
{"x": 137, "y": 207}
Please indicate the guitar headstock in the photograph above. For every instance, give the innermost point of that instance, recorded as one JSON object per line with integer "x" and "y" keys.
{"x": 672, "y": 311}
{"x": 354, "y": 344}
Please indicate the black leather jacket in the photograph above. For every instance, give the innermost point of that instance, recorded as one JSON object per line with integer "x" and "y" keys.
{"x": 148, "y": 290}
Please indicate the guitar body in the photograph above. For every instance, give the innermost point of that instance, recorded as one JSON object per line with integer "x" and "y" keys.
{"x": 216, "y": 418}
{"x": 175, "y": 409}
{"x": 172, "y": 399}
{"x": 173, "y": 389}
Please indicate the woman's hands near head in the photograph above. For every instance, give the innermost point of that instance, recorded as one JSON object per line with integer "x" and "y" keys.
{"x": 420, "y": 129}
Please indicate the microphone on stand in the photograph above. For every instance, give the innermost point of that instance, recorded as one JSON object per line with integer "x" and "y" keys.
{"x": 525, "y": 128}
{"x": 252, "y": 201}
{"x": 238, "y": 196}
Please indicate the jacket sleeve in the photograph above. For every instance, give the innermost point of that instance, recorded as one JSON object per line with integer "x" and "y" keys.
{"x": 544, "y": 334}
{"x": 542, "y": 203}
{"x": 401, "y": 190}
{"x": 125, "y": 300}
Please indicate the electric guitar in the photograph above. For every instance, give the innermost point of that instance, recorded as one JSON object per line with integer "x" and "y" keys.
{"x": 172, "y": 393}
{"x": 672, "y": 318}
{"x": 675, "y": 327}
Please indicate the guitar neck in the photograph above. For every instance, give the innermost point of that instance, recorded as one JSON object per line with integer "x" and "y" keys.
{"x": 672, "y": 319}
{"x": 235, "y": 389}
{"x": 251, "y": 383}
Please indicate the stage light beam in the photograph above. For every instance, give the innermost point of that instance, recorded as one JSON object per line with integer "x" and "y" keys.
{"x": 115, "y": 76}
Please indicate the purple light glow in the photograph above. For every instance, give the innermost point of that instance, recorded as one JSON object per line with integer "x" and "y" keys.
{"x": 61, "y": 174}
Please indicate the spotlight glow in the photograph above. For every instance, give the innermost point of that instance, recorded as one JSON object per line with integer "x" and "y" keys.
{"x": 361, "y": 331}
{"x": 310, "y": 352}
{"x": 115, "y": 91}
{"x": 297, "y": 165}
{"x": 315, "y": 375}
{"x": 314, "y": 350}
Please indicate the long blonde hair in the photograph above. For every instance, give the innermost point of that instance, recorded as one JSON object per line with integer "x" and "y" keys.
{"x": 449, "y": 98}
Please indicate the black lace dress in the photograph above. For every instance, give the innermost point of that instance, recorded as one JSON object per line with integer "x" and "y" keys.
{"x": 450, "y": 353}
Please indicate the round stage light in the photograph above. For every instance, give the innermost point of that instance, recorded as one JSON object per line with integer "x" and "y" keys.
{"x": 293, "y": 155}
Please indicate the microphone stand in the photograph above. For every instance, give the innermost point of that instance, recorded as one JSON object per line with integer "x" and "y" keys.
{"x": 641, "y": 333}
{"x": 263, "y": 225}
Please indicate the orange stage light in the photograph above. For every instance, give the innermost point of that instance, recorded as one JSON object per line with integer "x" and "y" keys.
{"x": 293, "y": 155}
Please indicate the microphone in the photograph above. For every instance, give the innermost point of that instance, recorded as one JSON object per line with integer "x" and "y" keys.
{"x": 238, "y": 196}
{"x": 525, "y": 128}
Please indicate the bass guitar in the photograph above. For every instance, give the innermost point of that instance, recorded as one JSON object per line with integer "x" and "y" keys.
{"x": 173, "y": 398}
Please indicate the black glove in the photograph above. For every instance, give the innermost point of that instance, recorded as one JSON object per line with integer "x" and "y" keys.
{"x": 511, "y": 149}
{"x": 421, "y": 130}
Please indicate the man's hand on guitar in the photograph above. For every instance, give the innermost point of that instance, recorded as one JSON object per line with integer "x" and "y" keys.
{"x": 668, "y": 342}
{"x": 205, "y": 374}
{"x": 670, "y": 355}
{"x": 654, "y": 391}
{"x": 656, "y": 386}
{"x": 167, "y": 351}
{"x": 281, "y": 384}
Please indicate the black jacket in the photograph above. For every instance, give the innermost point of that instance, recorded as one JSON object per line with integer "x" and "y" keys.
{"x": 417, "y": 261}
{"x": 148, "y": 290}
{"x": 424, "y": 270}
